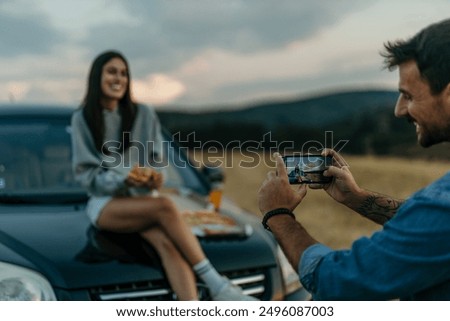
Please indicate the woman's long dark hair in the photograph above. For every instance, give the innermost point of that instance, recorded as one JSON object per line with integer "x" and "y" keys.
{"x": 92, "y": 109}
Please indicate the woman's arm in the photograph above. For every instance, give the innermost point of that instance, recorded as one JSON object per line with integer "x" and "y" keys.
{"x": 86, "y": 162}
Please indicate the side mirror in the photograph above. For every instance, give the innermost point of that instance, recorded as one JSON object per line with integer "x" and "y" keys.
{"x": 215, "y": 175}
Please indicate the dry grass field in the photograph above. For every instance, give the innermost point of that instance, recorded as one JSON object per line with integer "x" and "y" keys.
{"x": 328, "y": 221}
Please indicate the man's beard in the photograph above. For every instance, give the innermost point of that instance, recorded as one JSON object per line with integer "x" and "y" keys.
{"x": 427, "y": 138}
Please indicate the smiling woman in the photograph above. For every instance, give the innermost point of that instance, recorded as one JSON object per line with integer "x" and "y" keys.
{"x": 114, "y": 82}
{"x": 121, "y": 199}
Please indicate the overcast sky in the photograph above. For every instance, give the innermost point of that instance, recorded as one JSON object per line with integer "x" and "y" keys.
{"x": 201, "y": 53}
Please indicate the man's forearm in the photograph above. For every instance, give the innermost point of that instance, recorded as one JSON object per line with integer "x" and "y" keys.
{"x": 291, "y": 236}
{"x": 377, "y": 207}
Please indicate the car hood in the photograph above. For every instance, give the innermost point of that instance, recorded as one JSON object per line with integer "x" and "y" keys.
{"x": 59, "y": 242}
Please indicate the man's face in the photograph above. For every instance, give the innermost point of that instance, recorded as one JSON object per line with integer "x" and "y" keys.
{"x": 429, "y": 113}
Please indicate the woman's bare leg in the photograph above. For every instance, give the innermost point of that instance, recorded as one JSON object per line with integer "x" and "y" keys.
{"x": 179, "y": 273}
{"x": 138, "y": 214}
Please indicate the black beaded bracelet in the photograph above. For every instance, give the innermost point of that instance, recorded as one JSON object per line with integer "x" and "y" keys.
{"x": 274, "y": 212}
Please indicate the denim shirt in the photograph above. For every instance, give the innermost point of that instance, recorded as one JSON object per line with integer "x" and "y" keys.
{"x": 408, "y": 259}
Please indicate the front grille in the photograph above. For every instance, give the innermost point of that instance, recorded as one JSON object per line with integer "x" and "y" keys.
{"x": 136, "y": 291}
{"x": 252, "y": 282}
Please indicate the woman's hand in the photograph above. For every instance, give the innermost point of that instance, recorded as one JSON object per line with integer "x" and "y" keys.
{"x": 155, "y": 180}
{"x": 144, "y": 177}
{"x": 276, "y": 192}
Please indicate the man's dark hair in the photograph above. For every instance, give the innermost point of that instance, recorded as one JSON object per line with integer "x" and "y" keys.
{"x": 430, "y": 49}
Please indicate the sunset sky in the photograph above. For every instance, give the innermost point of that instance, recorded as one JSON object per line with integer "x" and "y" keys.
{"x": 194, "y": 54}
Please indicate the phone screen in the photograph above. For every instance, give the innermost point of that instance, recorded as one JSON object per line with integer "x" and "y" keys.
{"x": 307, "y": 169}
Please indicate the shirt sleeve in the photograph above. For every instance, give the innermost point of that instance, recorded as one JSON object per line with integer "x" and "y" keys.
{"x": 308, "y": 264}
{"x": 86, "y": 162}
{"x": 157, "y": 153}
{"x": 410, "y": 254}
{"x": 156, "y": 156}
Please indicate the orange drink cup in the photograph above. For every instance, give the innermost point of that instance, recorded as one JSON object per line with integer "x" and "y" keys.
{"x": 215, "y": 197}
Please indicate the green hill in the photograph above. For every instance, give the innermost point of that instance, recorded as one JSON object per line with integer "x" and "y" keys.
{"x": 363, "y": 118}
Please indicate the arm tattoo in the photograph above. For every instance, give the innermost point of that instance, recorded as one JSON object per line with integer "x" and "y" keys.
{"x": 379, "y": 208}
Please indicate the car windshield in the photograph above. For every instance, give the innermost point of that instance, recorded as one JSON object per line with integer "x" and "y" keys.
{"x": 35, "y": 162}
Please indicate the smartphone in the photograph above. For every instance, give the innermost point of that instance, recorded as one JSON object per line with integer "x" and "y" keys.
{"x": 307, "y": 168}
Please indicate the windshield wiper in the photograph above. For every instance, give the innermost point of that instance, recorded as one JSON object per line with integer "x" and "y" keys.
{"x": 13, "y": 199}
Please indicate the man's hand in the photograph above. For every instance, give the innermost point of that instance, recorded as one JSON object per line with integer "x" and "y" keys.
{"x": 276, "y": 192}
{"x": 343, "y": 188}
{"x": 377, "y": 207}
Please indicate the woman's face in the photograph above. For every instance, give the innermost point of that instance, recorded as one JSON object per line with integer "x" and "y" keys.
{"x": 114, "y": 81}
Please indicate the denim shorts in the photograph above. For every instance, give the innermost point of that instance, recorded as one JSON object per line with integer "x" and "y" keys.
{"x": 95, "y": 206}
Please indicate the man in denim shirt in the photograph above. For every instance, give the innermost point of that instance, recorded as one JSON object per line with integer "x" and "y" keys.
{"x": 410, "y": 257}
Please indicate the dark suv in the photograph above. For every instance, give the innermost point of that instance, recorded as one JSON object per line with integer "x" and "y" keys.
{"x": 49, "y": 250}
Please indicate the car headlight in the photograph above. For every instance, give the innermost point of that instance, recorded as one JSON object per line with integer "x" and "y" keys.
{"x": 21, "y": 284}
{"x": 290, "y": 277}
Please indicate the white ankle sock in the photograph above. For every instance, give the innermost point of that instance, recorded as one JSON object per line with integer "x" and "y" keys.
{"x": 205, "y": 271}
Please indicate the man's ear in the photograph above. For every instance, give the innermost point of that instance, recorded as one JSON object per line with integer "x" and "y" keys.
{"x": 446, "y": 93}
{"x": 446, "y": 97}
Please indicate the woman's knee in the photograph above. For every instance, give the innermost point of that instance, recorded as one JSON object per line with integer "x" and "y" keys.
{"x": 167, "y": 208}
{"x": 166, "y": 203}
{"x": 160, "y": 241}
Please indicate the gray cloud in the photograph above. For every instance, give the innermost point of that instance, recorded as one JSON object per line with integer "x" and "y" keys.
{"x": 26, "y": 34}
{"x": 289, "y": 87}
{"x": 165, "y": 33}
